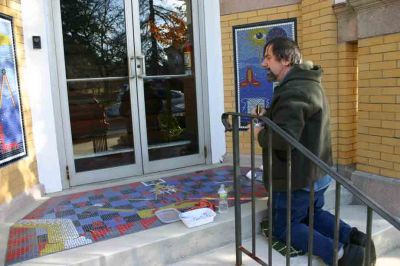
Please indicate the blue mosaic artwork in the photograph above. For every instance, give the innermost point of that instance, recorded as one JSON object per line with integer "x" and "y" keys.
{"x": 12, "y": 139}
{"x": 252, "y": 86}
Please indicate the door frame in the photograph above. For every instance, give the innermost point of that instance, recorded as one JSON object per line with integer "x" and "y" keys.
{"x": 142, "y": 164}
{"x": 86, "y": 177}
{"x": 182, "y": 161}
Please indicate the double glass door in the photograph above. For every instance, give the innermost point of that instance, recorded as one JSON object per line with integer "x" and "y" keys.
{"x": 128, "y": 77}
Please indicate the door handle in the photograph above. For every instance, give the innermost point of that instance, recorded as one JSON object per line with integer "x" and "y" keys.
{"x": 132, "y": 67}
{"x": 141, "y": 65}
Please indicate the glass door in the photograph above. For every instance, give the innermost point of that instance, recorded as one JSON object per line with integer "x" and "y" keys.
{"x": 98, "y": 82}
{"x": 168, "y": 81}
{"x": 129, "y": 86}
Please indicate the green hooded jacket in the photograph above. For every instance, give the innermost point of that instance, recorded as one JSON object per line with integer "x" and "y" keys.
{"x": 299, "y": 106}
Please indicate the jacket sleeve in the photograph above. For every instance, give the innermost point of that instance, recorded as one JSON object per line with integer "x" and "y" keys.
{"x": 289, "y": 113}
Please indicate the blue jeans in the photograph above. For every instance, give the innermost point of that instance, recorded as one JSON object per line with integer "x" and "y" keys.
{"x": 324, "y": 223}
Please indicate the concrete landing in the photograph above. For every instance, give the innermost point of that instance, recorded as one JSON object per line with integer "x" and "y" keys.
{"x": 159, "y": 246}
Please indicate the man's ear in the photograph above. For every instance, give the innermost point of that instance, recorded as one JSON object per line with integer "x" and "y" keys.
{"x": 285, "y": 62}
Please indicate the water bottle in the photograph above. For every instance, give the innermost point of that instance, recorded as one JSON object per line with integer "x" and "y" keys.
{"x": 223, "y": 199}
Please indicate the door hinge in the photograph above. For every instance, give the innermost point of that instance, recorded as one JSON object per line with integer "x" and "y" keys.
{"x": 67, "y": 172}
{"x": 205, "y": 152}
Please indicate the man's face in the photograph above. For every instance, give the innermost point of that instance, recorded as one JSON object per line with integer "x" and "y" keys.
{"x": 277, "y": 69}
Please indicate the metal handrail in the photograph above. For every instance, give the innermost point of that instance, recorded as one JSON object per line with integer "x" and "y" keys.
{"x": 395, "y": 221}
{"x": 292, "y": 143}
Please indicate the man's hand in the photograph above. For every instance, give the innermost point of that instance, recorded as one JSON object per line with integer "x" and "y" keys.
{"x": 257, "y": 131}
{"x": 258, "y": 110}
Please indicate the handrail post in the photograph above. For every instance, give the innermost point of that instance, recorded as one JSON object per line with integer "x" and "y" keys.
{"x": 289, "y": 202}
{"x": 337, "y": 224}
{"x": 270, "y": 199}
{"x": 369, "y": 232}
{"x": 253, "y": 177}
{"x": 311, "y": 224}
{"x": 236, "y": 184}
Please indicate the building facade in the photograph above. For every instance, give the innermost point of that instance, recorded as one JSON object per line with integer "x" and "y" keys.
{"x": 113, "y": 89}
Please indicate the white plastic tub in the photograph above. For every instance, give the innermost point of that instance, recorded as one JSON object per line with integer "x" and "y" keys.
{"x": 197, "y": 217}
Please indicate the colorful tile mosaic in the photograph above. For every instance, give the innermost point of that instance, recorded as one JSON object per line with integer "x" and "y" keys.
{"x": 79, "y": 219}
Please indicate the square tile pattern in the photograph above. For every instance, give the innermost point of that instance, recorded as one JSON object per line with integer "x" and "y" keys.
{"x": 79, "y": 219}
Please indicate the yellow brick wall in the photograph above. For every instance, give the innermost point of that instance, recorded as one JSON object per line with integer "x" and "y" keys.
{"x": 19, "y": 176}
{"x": 347, "y": 103}
{"x": 320, "y": 46}
{"x": 378, "y": 139}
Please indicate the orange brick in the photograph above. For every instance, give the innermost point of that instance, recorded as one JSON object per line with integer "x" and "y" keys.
{"x": 229, "y": 17}
{"x": 369, "y": 138}
{"x": 389, "y": 173}
{"x": 382, "y": 48}
{"x": 382, "y": 115}
{"x": 370, "y": 107}
{"x": 390, "y": 157}
{"x": 362, "y": 160}
{"x": 380, "y": 163}
{"x": 391, "y": 108}
{"x": 383, "y": 99}
{"x": 391, "y": 73}
{"x": 391, "y": 56}
{"x": 370, "y": 58}
{"x": 278, "y": 16}
{"x": 310, "y": 15}
{"x": 381, "y": 132}
{"x": 268, "y": 11}
{"x": 381, "y": 148}
{"x": 390, "y": 91}
{"x": 370, "y": 123}
{"x": 288, "y": 8}
{"x": 391, "y": 124}
{"x": 383, "y": 65}
{"x": 367, "y": 168}
{"x": 391, "y": 38}
{"x": 370, "y": 41}
{"x": 329, "y": 26}
{"x": 247, "y": 14}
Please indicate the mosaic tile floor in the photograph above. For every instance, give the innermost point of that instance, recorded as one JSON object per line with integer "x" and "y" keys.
{"x": 79, "y": 219}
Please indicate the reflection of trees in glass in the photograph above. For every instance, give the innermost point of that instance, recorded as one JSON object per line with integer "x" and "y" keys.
{"x": 94, "y": 38}
{"x": 163, "y": 24}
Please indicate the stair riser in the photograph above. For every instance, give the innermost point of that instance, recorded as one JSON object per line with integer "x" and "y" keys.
{"x": 386, "y": 240}
{"x": 203, "y": 240}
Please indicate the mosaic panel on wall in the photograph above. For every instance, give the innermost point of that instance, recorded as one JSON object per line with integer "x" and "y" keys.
{"x": 12, "y": 136}
{"x": 251, "y": 84}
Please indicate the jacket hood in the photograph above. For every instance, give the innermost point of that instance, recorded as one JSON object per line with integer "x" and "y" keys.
{"x": 305, "y": 71}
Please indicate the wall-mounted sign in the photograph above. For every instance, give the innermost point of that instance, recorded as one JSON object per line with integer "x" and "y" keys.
{"x": 252, "y": 86}
{"x": 12, "y": 136}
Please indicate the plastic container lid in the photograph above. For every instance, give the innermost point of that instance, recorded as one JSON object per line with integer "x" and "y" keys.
{"x": 167, "y": 216}
{"x": 197, "y": 217}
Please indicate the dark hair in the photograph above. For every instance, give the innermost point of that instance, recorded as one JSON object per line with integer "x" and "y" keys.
{"x": 285, "y": 49}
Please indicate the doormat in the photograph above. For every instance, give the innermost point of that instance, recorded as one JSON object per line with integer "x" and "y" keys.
{"x": 83, "y": 218}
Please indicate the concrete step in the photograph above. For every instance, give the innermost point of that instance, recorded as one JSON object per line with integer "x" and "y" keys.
{"x": 225, "y": 256}
{"x": 391, "y": 258}
{"x": 385, "y": 236}
{"x": 346, "y": 198}
{"x": 159, "y": 246}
